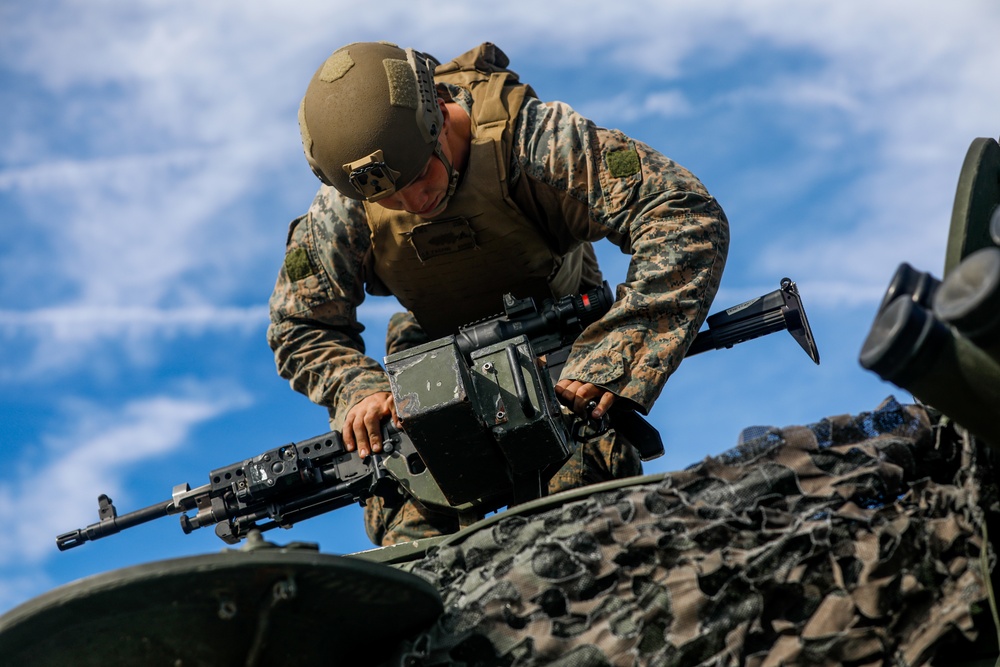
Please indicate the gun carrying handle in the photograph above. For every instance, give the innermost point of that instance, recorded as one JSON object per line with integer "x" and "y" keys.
{"x": 520, "y": 388}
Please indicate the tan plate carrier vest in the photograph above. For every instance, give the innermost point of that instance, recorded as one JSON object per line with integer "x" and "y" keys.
{"x": 454, "y": 269}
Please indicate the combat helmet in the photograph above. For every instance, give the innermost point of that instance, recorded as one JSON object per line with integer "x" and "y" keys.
{"x": 370, "y": 119}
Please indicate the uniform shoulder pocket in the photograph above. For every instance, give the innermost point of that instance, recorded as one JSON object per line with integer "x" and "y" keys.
{"x": 620, "y": 169}
{"x": 302, "y": 284}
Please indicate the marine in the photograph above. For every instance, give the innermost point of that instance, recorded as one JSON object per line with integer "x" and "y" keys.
{"x": 447, "y": 186}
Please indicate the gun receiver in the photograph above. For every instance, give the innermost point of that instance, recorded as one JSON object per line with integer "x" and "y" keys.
{"x": 483, "y": 427}
{"x": 553, "y": 326}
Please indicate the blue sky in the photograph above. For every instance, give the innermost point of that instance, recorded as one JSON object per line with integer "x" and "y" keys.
{"x": 150, "y": 162}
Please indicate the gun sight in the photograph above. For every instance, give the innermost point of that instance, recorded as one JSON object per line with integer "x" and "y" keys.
{"x": 551, "y": 326}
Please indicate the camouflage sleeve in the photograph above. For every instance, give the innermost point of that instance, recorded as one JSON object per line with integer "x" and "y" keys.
{"x": 314, "y": 330}
{"x": 587, "y": 183}
{"x": 403, "y": 333}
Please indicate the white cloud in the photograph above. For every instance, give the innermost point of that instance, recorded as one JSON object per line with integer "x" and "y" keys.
{"x": 906, "y": 88}
{"x": 184, "y": 111}
{"x": 84, "y": 323}
{"x": 95, "y": 450}
{"x": 625, "y": 108}
{"x": 63, "y": 340}
{"x": 185, "y": 74}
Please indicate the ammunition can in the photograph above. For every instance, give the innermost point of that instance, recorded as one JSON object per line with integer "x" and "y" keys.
{"x": 433, "y": 390}
{"x": 517, "y": 401}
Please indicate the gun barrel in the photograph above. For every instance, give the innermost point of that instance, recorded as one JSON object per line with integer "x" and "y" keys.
{"x": 113, "y": 524}
{"x": 285, "y": 484}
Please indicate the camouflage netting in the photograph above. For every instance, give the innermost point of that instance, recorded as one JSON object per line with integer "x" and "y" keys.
{"x": 855, "y": 541}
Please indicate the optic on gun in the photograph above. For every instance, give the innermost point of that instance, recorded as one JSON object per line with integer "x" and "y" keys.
{"x": 549, "y": 326}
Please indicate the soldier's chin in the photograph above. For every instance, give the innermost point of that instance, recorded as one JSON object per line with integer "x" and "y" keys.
{"x": 436, "y": 211}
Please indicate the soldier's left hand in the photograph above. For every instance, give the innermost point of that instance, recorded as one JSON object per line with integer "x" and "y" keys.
{"x": 578, "y": 395}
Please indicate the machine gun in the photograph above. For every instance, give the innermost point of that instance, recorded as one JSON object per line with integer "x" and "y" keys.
{"x": 483, "y": 427}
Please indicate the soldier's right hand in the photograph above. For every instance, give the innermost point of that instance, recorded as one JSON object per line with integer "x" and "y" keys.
{"x": 363, "y": 424}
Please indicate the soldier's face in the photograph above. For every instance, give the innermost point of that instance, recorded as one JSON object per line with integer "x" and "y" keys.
{"x": 427, "y": 196}
{"x": 424, "y": 197}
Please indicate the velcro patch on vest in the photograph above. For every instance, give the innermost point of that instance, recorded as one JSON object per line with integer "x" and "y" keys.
{"x": 442, "y": 237}
{"x": 623, "y": 163}
{"x": 297, "y": 265}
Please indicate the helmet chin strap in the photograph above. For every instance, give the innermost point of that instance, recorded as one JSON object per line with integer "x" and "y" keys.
{"x": 453, "y": 174}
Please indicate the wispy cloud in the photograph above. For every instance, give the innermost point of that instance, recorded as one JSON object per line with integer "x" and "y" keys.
{"x": 83, "y": 322}
{"x": 97, "y": 448}
{"x": 138, "y": 182}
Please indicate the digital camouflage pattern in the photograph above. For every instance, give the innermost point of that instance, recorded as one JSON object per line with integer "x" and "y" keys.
{"x": 578, "y": 183}
{"x": 405, "y": 520}
{"x": 852, "y": 541}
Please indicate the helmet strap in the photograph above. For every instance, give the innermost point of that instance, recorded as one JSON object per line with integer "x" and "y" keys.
{"x": 453, "y": 174}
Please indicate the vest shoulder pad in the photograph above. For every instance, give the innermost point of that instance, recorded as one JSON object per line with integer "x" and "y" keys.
{"x": 476, "y": 65}
{"x": 486, "y": 58}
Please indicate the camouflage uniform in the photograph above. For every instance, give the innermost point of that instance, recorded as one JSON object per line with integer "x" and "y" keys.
{"x": 578, "y": 183}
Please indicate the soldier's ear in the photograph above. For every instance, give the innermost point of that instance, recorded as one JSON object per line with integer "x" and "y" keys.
{"x": 445, "y": 113}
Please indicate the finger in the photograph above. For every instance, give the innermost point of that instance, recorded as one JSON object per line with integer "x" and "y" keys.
{"x": 566, "y": 391}
{"x": 589, "y": 401}
{"x": 373, "y": 430}
{"x": 348, "y": 434}
{"x": 602, "y": 404}
{"x": 586, "y": 395}
{"x": 361, "y": 437}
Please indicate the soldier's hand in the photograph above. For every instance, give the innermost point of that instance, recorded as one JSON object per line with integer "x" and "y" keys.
{"x": 577, "y": 396}
{"x": 363, "y": 424}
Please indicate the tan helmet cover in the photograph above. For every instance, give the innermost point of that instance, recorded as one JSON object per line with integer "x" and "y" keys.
{"x": 370, "y": 119}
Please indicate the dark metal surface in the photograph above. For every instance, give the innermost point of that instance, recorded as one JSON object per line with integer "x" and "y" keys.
{"x": 264, "y": 607}
{"x": 976, "y": 200}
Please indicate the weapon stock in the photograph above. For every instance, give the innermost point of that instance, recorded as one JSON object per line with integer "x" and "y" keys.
{"x": 776, "y": 311}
